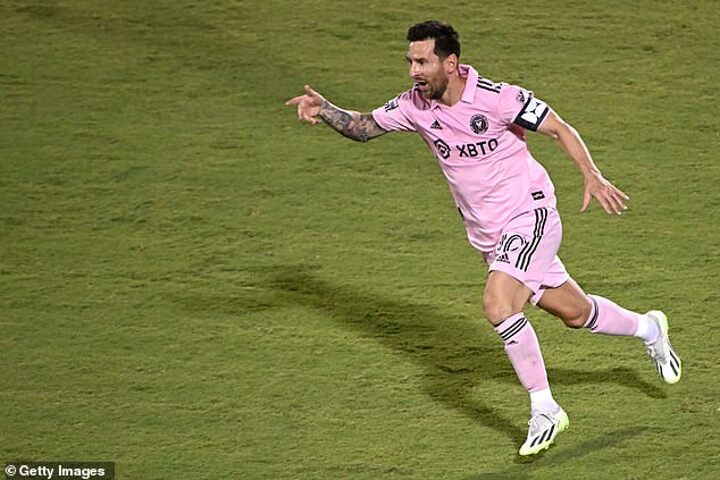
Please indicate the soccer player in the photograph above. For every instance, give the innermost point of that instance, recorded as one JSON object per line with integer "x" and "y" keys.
{"x": 476, "y": 128}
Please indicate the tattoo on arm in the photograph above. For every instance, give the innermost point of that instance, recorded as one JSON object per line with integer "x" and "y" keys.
{"x": 356, "y": 126}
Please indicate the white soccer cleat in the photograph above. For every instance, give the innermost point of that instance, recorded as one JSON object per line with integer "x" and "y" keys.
{"x": 544, "y": 427}
{"x": 666, "y": 360}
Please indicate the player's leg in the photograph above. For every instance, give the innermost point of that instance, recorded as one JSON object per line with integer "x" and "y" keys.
{"x": 577, "y": 309}
{"x": 602, "y": 316}
{"x": 504, "y": 300}
{"x": 568, "y": 302}
{"x": 517, "y": 267}
{"x": 504, "y": 295}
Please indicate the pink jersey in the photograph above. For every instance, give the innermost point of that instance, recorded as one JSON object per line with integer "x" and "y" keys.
{"x": 480, "y": 145}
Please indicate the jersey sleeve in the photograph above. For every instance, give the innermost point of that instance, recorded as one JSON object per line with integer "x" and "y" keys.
{"x": 396, "y": 115}
{"x": 519, "y": 106}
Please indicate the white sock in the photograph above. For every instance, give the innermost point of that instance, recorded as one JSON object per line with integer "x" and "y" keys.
{"x": 647, "y": 329}
{"x": 543, "y": 401}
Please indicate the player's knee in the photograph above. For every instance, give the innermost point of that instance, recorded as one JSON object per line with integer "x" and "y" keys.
{"x": 576, "y": 316}
{"x": 496, "y": 309}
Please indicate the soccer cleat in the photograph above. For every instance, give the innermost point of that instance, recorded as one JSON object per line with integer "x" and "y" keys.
{"x": 544, "y": 427}
{"x": 666, "y": 360}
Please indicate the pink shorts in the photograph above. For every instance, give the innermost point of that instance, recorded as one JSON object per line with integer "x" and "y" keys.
{"x": 527, "y": 251}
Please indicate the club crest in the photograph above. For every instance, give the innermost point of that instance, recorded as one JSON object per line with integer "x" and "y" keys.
{"x": 479, "y": 124}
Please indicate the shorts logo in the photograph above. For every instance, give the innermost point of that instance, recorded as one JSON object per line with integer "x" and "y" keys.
{"x": 520, "y": 97}
{"x": 443, "y": 149}
{"x": 507, "y": 245}
{"x": 479, "y": 124}
{"x": 539, "y": 195}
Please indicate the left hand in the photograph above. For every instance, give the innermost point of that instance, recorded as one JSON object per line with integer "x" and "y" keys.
{"x": 608, "y": 195}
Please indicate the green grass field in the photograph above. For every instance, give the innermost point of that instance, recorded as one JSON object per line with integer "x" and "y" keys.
{"x": 194, "y": 285}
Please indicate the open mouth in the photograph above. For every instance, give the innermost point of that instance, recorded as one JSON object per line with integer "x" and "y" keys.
{"x": 421, "y": 84}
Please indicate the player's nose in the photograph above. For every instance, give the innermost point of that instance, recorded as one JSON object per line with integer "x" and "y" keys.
{"x": 414, "y": 70}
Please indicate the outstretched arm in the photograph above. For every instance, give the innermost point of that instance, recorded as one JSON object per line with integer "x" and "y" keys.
{"x": 610, "y": 197}
{"x": 354, "y": 125}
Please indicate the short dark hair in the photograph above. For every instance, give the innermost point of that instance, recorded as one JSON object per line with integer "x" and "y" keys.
{"x": 447, "y": 40}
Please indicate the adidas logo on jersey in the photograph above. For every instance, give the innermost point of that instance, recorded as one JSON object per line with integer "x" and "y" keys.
{"x": 436, "y": 125}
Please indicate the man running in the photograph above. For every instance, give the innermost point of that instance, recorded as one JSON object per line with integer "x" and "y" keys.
{"x": 476, "y": 128}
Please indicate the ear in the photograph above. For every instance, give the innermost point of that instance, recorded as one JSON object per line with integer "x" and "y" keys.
{"x": 451, "y": 63}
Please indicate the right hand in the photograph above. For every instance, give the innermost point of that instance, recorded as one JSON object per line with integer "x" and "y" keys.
{"x": 308, "y": 105}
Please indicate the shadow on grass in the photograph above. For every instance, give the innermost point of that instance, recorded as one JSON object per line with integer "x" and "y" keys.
{"x": 524, "y": 468}
{"x": 619, "y": 375}
{"x": 454, "y": 357}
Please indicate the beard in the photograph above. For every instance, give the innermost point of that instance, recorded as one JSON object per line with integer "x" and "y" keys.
{"x": 436, "y": 90}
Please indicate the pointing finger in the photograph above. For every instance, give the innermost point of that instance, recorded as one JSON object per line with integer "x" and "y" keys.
{"x": 310, "y": 91}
